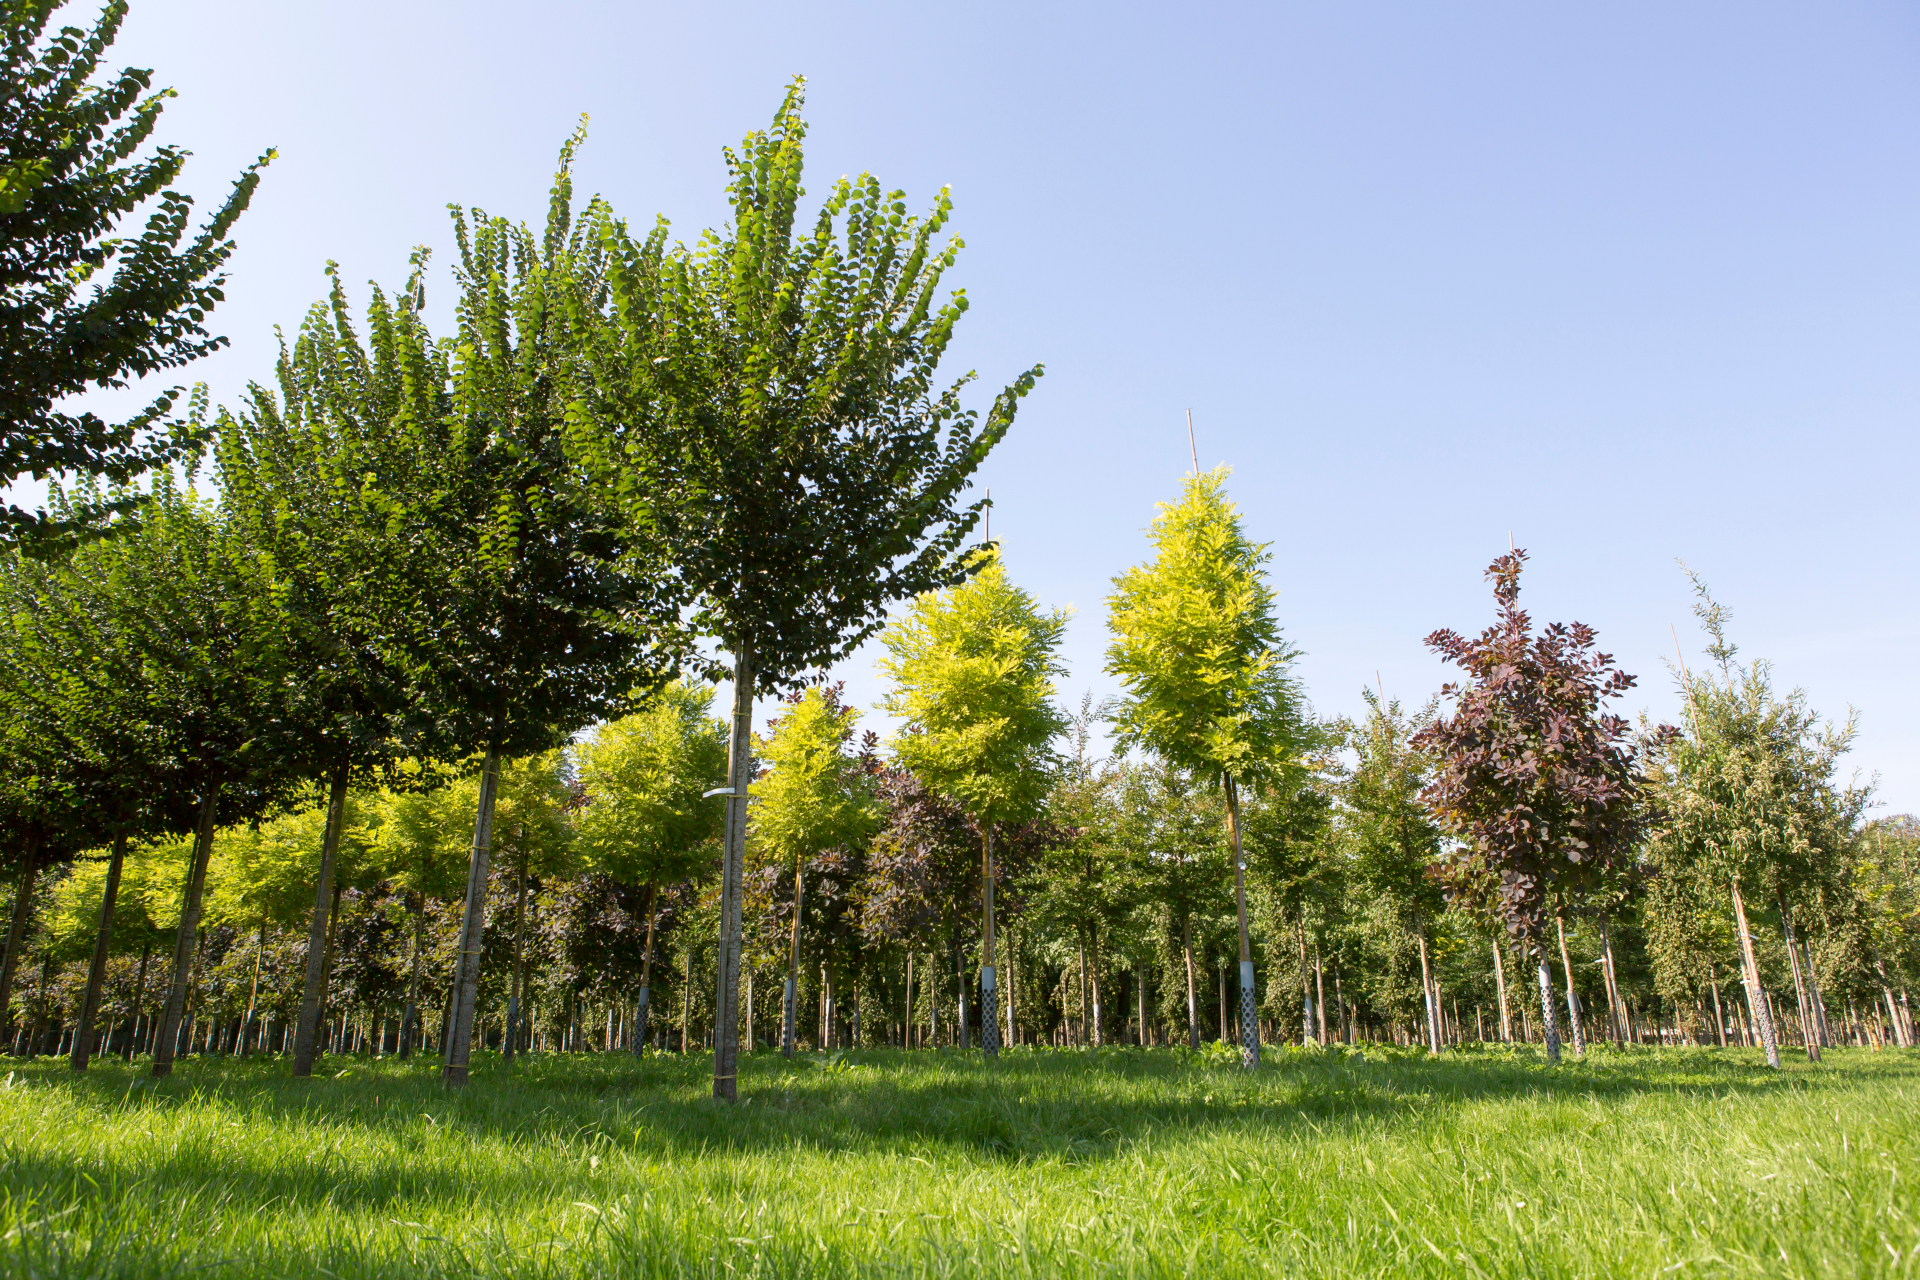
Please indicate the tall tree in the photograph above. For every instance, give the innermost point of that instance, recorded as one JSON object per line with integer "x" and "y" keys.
{"x": 1199, "y": 653}
{"x": 973, "y": 670}
{"x": 767, "y": 403}
{"x": 1541, "y": 788}
{"x": 86, "y": 307}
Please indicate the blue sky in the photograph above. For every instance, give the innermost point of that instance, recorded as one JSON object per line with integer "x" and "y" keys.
{"x": 1633, "y": 282}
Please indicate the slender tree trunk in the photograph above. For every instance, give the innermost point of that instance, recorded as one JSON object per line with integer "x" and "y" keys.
{"x": 1306, "y": 992}
{"x": 17, "y": 938}
{"x": 1818, "y": 1002}
{"x": 1573, "y": 1001}
{"x": 1427, "y": 994}
{"x": 907, "y": 995}
{"x": 989, "y": 997}
{"x": 1249, "y": 1010}
{"x": 1756, "y": 994}
{"x": 790, "y": 1006}
{"x": 1500, "y": 981}
{"x": 473, "y": 924}
{"x": 686, "y": 1004}
{"x": 1901, "y": 1035}
{"x": 139, "y": 1001}
{"x": 1719, "y": 1017}
{"x": 641, "y": 1009}
{"x": 510, "y": 1044}
{"x": 726, "y": 1004}
{"x": 411, "y": 1014}
{"x": 1809, "y": 1035}
{"x": 253, "y": 991}
{"x": 102, "y": 943}
{"x": 1549, "y": 1028}
{"x": 1140, "y": 998}
{"x": 1320, "y": 992}
{"x": 1226, "y": 1021}
{"x": 185, "y": 938}
{"x": 1193, "y": 1005}
{"x": 1612, "y": 982}
{"x": 313, "y": 999}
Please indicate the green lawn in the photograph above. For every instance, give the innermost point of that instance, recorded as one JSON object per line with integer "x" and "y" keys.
{"x": 1123, "y": 1162}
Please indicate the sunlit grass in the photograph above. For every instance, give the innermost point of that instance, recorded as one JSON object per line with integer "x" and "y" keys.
{"x": 1124, "y": 1162}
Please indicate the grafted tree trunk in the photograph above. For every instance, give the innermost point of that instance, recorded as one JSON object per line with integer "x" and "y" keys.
{"x": 1249, "y": 1011}
{"x": 1573, "y": 1001}
{"x": 473, "y": 924}
{"x": 97, "y": 971}
{"x": 185, "y": 938}
{"x": 1756, "y": 994}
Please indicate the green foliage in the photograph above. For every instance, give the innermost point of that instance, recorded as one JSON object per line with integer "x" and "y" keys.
{"x": 1198, "y": 649}
{"x": 818, "y": 794}
{"x": 88, "y": 307}
{"x": 972, "y": 671}
{"x": 643, "y": 818}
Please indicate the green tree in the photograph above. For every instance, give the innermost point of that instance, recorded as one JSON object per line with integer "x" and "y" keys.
{"x": 1200, "y": 656}
{"x": 87, "y": 307}
{"x": 644, "y": 820}
{"x": 766, "y": 402}
{"x": 973, "y": 670}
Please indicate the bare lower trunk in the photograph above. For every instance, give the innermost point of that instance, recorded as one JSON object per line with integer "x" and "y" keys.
{"x": 790, "y": 1006}
{"x": 1719, "y": 1017}
{"x": 1756, "y": 995}
{"x": 989, "y": 997}
{"x": 510, "y": 1043}
{"x": 1306, "y": 992}
{"x": 1500, "y": 981}
{"x": 473, "y": 924}
{"x": 1809, "y": 1032}
{"x": 97, "y": 971}
{"x": 1249, "y": 1011}
{"x": 253, "y": 992}
{"x": 641, "y": 1009}
{"x": 1427, "y": 996}
{"x": 1320, "y": 992}
{"x": 726, "y": 1002}
{"x": 411, "y": 1014}
{"x": 16, "y": 941}
{"x": 1615, "y": 1022}
{"x": 184, "y": 939}
{"x": 1193, "y": 1004}
{"x": 1901, "y": 1035}
{"x": 1573, "y": 1001}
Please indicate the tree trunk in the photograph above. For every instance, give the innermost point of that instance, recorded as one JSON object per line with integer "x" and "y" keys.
{"x": 1719, "y": 1017}
{"x": 1249, "y": 1011}
{"x": 139, "y": 1000}
{"x": 790, "y": 1007}
{"x": 1573, "y": 1001}
{"x": 1500, "y": 981}
{"x": 906, "y": 1033}
{"x": 473, "y": 924}
{"x": 1193, "y": 1005}
{"x": 102, "y": 943}
{"x": 1809, "y": 1034}
{"x": 1140, "y": 998}
{"x": 1756, "y": 994}
{"x": 1549, "y": 1029}
{"x": 185, "y": 938}
{"x": 641, "y": 1008}
{"x": 510, "y": 1043}
{"x": 1901, "y": 1035}
{"x": 253, "y": 991}
{"x": 1306, "y": 992}
{"x": 1320, "y": 992}
{"x": 17, "y": 939}
{"x": 1614, "y": 1020}
{"x": 686, "y": 1004}
{"x": 313, "y": 999}
{"x": 409, "y": 1016}
{"x": 726, "y": 1004}
{"x": 989, "y": 997}
{"x": 1426, "y": 993}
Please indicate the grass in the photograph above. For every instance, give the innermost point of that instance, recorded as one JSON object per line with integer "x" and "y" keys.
{"x": 1122, "y": 1162}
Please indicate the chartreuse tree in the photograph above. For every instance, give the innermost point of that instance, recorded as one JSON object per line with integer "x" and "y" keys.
{"x": 973, "y": 672}
{"x": 817, "y": 796}
{"x": 1205, "y": 671}
{"x": 1541, "y": 789}
{"x": 642, "y": 819}
{"x": 86, "y": 305}
{"x": 767, "y": 403}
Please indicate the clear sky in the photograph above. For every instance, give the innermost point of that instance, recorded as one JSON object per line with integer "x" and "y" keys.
{"x": 1633, "y": 282}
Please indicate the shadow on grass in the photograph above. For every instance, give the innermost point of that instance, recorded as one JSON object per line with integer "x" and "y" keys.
{"x": 1034, "y": 1106}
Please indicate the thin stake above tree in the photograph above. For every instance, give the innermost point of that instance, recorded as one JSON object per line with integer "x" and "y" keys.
{"x": 973, "y": 671}
{"x": 1541, "y": 789}
{"x": 1199, "y": 652}
{"x": 778, "y": 384}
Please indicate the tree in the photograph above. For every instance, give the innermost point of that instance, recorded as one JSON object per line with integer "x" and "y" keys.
{"x": 1542, "y": 790}
{"x": 85, "y": 306}
{"x": 1200, "y": 656}
{"x": 817, "y": 796}
{"x": 767, "y": 403}
{"x": 644, "y": 820}
{"x": 1750, "y": 804}
{"x": 973, "y": 670}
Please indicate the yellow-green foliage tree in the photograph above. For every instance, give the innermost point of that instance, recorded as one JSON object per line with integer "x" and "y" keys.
{"x": 1199, "y": 653}
{"x": 973, "y": 670}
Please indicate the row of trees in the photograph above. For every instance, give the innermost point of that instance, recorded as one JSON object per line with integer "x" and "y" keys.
{"x": 434, "y": 564}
